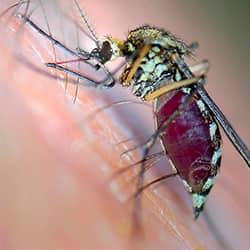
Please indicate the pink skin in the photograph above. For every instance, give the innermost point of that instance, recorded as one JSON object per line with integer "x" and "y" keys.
{"x": 55, "y": 167}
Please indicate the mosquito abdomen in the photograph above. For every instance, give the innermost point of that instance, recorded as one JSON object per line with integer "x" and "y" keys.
{"x": 192, "y": 142}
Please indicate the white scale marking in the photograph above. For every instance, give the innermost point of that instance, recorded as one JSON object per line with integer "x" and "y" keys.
{"x": 151, "y": 54}
{"x": 216, "y": 156}
{"x": 156, "y": 49}
{"x": 198, "y": 200}
{"x": 144, "y": 77}
{"x": 160, "y": 68}
{"x": 212, "y": 130}
{"x": 178, "y": 76}
{"x": 186, "y": 90}
{"x": 150, "y": 65}
{"x": 208, "y": 184}
{"x": 201, "y": 105}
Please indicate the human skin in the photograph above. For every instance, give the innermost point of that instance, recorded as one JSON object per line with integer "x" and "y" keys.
{"x": 55, "y": 165}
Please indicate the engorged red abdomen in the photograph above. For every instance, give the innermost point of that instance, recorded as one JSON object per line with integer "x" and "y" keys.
{"x": 187, "y": 140}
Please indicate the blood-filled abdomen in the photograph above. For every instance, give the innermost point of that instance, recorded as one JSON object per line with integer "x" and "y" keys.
{"x": 191, "y": 140}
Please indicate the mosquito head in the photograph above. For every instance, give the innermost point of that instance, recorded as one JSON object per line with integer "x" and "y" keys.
{"x": 111, "y": 48}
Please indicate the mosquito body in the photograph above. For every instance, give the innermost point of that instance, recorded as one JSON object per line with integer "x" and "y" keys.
{"x": 192, "y": 139}
{"x": 186, "y": 123}
{"x": 187, "y": 120}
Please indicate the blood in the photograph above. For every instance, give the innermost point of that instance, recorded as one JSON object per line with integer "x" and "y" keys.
{"x": 187, "y": 140}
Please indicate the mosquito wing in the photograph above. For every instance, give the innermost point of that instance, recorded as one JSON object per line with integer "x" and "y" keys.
{"x": 233, "y": 136}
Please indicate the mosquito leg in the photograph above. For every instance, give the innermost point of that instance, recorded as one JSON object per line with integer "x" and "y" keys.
{"x": 148, "y": 166}
{"x": 170, "y": 87}
{"x": 137, "y": 202}
{"x": 46, "y": 35}
{"x": 89, "y": 82}
{"x": 162, "y": 178}
{"x": 152, "y": 157}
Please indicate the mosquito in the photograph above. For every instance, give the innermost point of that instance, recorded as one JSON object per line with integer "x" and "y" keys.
{"x": 187, "y": 119}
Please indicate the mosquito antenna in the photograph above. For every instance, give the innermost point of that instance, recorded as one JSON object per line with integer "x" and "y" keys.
{"x": 90, "y": 28}
{"x": 121, "y": 171}
{"x": 127, "y": 140}
{"x": 162, "y": 178}
{"x": 148, "y": 166}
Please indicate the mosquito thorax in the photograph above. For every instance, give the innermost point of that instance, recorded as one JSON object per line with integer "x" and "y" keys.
{"x": 150, "y": 46}
{"x": 148, "y": 51}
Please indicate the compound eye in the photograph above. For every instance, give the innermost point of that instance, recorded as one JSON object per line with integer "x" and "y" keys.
{"x": 105, "y": 52}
